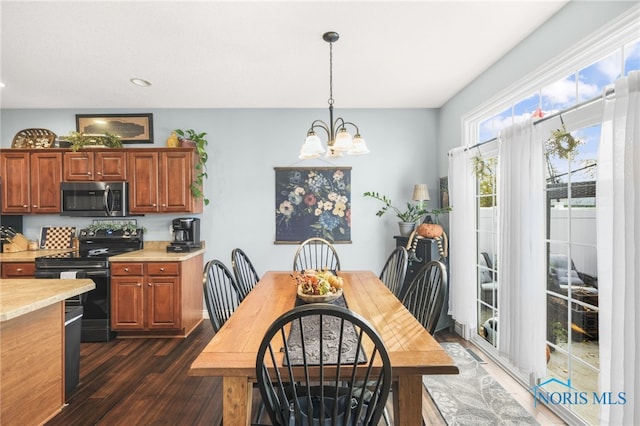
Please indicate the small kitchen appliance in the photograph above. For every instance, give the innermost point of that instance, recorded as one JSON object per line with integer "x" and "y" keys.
{"x": 185, "y": 233}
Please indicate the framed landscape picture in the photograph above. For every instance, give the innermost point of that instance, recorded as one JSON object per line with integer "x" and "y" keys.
{"x": 132, "y": 128}
{"x": 313, "y": 202}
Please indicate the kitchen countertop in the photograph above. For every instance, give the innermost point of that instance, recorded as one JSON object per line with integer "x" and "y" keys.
{"x": 24, "y": 295}
{"x": 29, "y": 256}
{"x": 156, "y": 251}
{"x": 153, "y": 251}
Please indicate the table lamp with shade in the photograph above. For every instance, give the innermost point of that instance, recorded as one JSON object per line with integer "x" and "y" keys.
{"x": 421, "y": 194}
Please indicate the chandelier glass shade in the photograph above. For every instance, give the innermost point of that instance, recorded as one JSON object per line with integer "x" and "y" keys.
{"x": 339, "y": 140}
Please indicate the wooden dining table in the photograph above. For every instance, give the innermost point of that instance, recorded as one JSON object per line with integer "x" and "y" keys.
{"x": 231, "y": 353}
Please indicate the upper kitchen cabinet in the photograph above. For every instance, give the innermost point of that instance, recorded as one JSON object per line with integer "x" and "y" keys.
{"x": 160, "y": 181}
{"x": 104, "y": 165}
{"x": 31, "y": 181}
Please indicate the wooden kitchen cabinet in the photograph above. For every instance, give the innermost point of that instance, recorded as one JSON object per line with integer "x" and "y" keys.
{"x": 18, "y": 270}
{"x": 31, "y": 181}
{"x": 145, "y": 296}
{"x": 160, "y": 181}
{"x": 156, "y": 299}
{"x": 103, "y": 165}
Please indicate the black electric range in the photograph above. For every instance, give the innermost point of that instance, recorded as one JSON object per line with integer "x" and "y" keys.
{"x": 91, "y": 261}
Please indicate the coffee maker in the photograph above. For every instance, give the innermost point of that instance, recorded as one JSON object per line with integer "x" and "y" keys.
{"x": 185, "y": 233}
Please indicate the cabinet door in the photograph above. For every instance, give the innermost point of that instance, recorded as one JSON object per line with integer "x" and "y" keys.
{"x": 175, "y": 181}
{"x": 127, "y": 303}
{"x": 143, "y": 182}
{"x": 110, "y": 166}
{"x": 46, "y": 175}
{"x": 79, "y": 166}
{"x": 15, "y": 183}
{"x": 163, "y": 303}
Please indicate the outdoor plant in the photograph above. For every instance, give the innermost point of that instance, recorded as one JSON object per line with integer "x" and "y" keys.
{"x": 200, "y": 144}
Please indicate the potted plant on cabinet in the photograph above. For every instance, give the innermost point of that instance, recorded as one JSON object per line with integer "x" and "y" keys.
{"x": 408, "y": 217}
{"x": 190, "y": 137}
{"x": 77, "y": 140}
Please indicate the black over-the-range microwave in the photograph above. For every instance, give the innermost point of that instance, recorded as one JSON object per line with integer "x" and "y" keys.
{"x": 94, "y": 199}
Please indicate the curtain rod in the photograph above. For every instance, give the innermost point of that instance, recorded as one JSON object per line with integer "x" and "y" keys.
{"x": 608, "y": 92}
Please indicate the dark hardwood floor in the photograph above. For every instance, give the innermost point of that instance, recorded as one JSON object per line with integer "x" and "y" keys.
{"x": 145, "y": 382}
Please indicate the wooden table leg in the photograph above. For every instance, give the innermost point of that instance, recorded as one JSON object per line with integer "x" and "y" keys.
{"x": 407, "y": 401}
{"x": 236, "y": 401}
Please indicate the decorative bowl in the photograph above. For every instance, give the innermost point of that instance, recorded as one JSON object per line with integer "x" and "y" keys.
{"x": 320, "y": 298}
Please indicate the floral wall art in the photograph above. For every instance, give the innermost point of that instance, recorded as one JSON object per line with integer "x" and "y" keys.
{"x": 313, "y": 202}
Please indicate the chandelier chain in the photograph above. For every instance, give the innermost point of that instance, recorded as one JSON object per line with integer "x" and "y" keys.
{"x": 330, "y": 73}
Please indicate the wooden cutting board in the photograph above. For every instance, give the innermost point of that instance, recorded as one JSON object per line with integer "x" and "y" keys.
{"x": 56, "y": 237}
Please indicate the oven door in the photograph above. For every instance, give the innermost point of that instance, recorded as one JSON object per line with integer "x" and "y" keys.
{"x": 96, "y": 326}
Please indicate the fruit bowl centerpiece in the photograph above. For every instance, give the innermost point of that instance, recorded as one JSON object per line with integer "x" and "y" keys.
{"x": 318, "y": 286}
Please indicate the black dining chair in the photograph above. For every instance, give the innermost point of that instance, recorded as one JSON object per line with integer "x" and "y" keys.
{"x": 222, "y": 297}
{"x": 221, "y": 293}
{"x": 244, "y": 272}
{"x": 316, "y": 253}
{"x": 394, "y": 270}
{"x": 312, "y": 363}
{"x": 424, "y": 297}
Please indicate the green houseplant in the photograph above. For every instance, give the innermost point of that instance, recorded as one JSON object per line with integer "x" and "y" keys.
{"x": 408, "y": 216}
{"x": 190, "y": 137}
{"x": 78, "y": 140}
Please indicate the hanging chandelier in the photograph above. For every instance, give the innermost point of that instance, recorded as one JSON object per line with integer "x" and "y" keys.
{"x": 339, "y": 140}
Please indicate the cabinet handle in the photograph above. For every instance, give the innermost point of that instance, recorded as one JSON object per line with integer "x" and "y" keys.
{"x": 126, "y": 269}
{"x": 164, "y": 205}
{"x": 99, "y": 173}
{"x": 88, "y": 173}
{"x": 154, "y": 205}
{"x": 35, "y": 206}
{"x": 25, "y": 206}
{"x": 149, "y": 284}
{"x": 161, "y": 269}
{"x": 18, "y": 269}
{"x": 139, "y": 284}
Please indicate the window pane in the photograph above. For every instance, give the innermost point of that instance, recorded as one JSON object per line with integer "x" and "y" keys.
{"x": 595, "y": 77}
{"x": 524, "y": 109}
{"x": 559, "y": 95}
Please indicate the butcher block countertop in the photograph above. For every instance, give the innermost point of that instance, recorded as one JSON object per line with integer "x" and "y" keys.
{"x": 22, "y": 296}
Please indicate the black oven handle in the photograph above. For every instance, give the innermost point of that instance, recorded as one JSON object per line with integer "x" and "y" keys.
{"x": 107, "y": 192}
{"x": 81, "y": 273}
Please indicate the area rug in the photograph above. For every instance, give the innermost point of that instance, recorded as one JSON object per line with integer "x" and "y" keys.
{"x": 473, "y": 397}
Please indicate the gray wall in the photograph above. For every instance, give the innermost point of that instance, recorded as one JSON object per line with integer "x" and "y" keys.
{"x": 244, "y": 147}
{"x": 571, "y": 24}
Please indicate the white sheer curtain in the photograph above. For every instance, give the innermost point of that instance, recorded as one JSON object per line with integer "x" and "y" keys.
{"x": 618, "y": 233}
{"x": 462, "y": 256}
{"x": 521, "y": 247}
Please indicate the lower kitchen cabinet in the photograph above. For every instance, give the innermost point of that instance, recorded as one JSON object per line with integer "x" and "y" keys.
{"x": 18, "y": 270}
{"x": 156, "y": 298}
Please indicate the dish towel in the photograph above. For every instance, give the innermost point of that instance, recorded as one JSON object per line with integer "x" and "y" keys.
{"x": 68, "y": 275}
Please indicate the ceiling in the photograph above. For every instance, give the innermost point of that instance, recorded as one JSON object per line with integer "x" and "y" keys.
{"x": 253, "y": 54}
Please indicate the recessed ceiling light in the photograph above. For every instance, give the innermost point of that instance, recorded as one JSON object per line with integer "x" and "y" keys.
{"x": 1, "y": 84}
{"x": 140, "y": 82}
